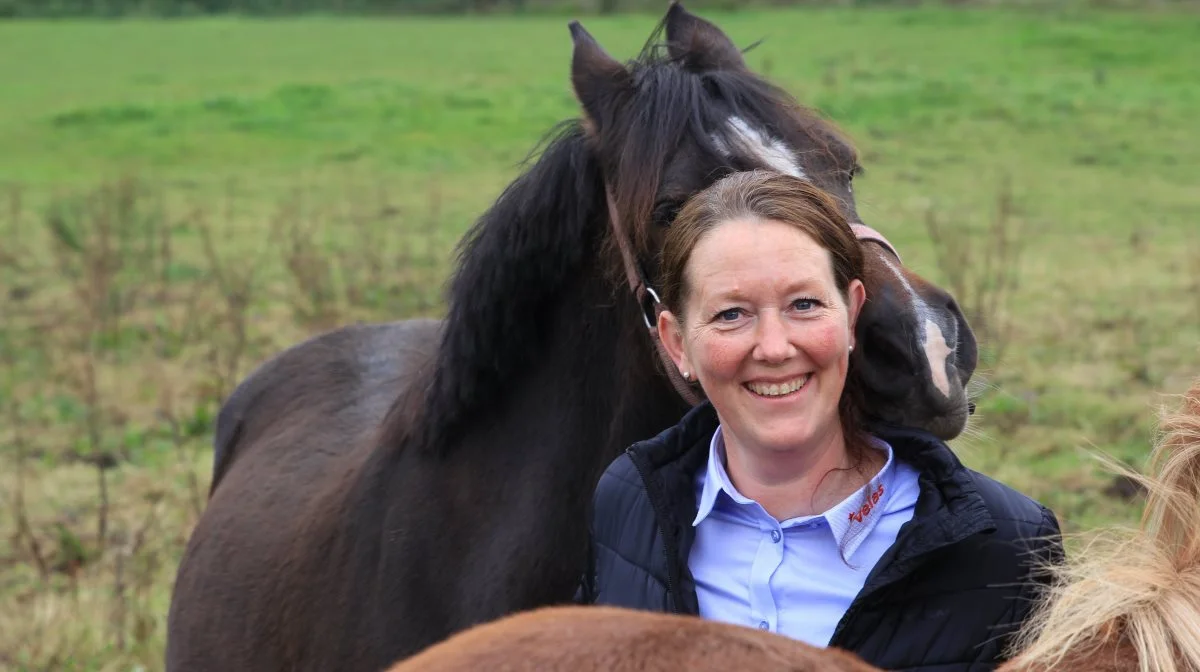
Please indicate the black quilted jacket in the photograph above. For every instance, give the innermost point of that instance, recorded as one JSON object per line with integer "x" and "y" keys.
{"x": 944, "y": 598}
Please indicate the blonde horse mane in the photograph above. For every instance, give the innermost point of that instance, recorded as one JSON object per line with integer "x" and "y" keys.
{"x": 1142, "y": 590}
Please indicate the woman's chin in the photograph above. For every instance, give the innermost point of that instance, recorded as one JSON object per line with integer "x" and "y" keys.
{"x": 786, "y": 428}
{"x": 783, "y": 437}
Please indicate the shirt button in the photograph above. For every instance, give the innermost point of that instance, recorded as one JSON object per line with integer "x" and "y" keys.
{"x": 763, "y": 625}
{"x": 775, "y": 536}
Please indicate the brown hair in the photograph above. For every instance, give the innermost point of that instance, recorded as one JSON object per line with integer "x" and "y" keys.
{"x": 758, "y": 195}
{"x": 765, "y": 195}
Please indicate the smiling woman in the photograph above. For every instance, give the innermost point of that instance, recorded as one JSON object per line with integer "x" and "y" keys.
{"x": 775, "y": 504}
{"x": 767, "y": 327}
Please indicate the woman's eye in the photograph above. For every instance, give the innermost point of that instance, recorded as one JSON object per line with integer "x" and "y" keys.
{"x": 805, "y": 304}
{"x": 729, "y": 315}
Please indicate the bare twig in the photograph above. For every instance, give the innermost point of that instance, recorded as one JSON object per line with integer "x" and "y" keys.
{"x": 24, "y": 529}
{"x": 101, "y": 461}
{"x": 166, "y": 413}
{"x": 307, "y": 265}
{"x": 982, "y": 276}
{"x": 13, "y": 265}
{"x": 129, "y": 552}
{"x": 236, "y": 290}
{"x": 119, "y": 607}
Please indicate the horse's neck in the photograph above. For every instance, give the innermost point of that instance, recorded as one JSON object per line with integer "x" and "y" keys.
{"x": 518, "y": 482}
{"x": 596, "y": 387}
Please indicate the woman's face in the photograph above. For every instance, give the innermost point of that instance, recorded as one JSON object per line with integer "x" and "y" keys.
{"x": 766, "y": 333}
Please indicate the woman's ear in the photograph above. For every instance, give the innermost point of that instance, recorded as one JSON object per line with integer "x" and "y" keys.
{"x": 670, "y": 332}
{"x": 857, "y": 293}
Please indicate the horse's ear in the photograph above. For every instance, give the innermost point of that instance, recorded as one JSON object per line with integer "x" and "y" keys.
{"x": 698, "y": 43}
{"x": 599, "y": 80}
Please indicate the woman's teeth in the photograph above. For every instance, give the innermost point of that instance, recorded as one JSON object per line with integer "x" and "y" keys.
{"x": 778, "y": 389}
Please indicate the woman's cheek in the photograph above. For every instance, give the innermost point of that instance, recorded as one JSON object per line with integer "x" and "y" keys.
{"x": 824, "y": 342}
{"x": 721, "y": 355}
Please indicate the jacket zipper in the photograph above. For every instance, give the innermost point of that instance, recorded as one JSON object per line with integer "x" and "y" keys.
{"x": 871, "y": 594}
{"x": 667, "y": 542}
{"x": 841, "y": 626}
{"x": 856, "y": 606}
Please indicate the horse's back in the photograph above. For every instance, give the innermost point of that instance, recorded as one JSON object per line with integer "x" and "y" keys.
{"x": 349, "y": 375}
{"x": 289, "y": 441}
{"x": 584, "y": 639}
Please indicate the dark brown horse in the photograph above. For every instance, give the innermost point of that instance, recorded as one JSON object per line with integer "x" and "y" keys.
{"x": 1133, "y": 607}
{"x": 379, "y": 488}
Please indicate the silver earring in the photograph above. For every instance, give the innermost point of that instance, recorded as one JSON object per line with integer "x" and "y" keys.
{"x": 851, "y": 348}
{"x": 687, "y": 376}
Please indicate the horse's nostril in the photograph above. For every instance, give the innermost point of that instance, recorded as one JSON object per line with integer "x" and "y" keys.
{"x": 970, "y": 408}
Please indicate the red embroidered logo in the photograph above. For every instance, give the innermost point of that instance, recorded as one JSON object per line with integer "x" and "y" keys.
{"x": 865, "y": 509}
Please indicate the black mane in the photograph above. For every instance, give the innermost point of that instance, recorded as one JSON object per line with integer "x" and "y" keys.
{"x": 550, "y": 226}
{"x": 510, "y": 268}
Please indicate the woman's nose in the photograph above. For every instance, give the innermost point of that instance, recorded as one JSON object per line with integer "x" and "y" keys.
{"x": 773, "y": 344}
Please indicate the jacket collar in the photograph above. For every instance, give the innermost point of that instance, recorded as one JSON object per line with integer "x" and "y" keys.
{"x": 949, "y": 507}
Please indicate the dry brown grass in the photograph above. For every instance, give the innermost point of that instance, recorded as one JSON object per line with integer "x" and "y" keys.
{"x": 127, "y": 320}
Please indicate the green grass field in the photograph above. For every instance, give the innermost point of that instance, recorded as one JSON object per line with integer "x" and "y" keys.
{"x": 186, "y": 198}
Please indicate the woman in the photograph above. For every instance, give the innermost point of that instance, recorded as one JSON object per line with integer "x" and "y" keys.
{"x": 771, "y": 505}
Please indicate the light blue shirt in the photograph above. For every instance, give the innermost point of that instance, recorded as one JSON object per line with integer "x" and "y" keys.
{"x": 789, "y": 577}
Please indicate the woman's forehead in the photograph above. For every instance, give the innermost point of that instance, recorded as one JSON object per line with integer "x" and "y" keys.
{"x": 742, "y": 257}
{"x": 754, "y": 240}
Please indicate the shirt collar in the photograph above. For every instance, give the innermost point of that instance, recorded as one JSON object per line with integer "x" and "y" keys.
{"x": 855, "y": 517}
{"x": 851, "y": 520}
{"x": 716, "y": 480}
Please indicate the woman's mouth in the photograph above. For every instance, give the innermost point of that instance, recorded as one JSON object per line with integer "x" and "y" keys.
{"x": 778, "y": 389}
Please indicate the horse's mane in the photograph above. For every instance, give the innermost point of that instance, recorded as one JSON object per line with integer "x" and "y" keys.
{"x": 534, "y": 241}
{"x": 511, "y": 267}
{"x": 1142, "y": 590}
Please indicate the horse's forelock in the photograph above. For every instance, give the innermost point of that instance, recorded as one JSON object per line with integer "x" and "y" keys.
{"x": 665, "y": 109}
{"x": 715, "y": 110}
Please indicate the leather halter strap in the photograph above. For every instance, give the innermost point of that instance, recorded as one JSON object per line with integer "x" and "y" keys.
{"x": 864, "y": 232}
{"x": 642, "y": 290}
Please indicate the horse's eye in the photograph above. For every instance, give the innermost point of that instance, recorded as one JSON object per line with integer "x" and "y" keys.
{"x": 665, "y": 212}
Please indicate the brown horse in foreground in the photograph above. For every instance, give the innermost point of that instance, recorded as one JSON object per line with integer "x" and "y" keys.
{"x": 1133, "y": 606}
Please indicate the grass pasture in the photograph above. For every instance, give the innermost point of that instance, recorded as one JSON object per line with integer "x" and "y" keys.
{"x": 182, "y": 199}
